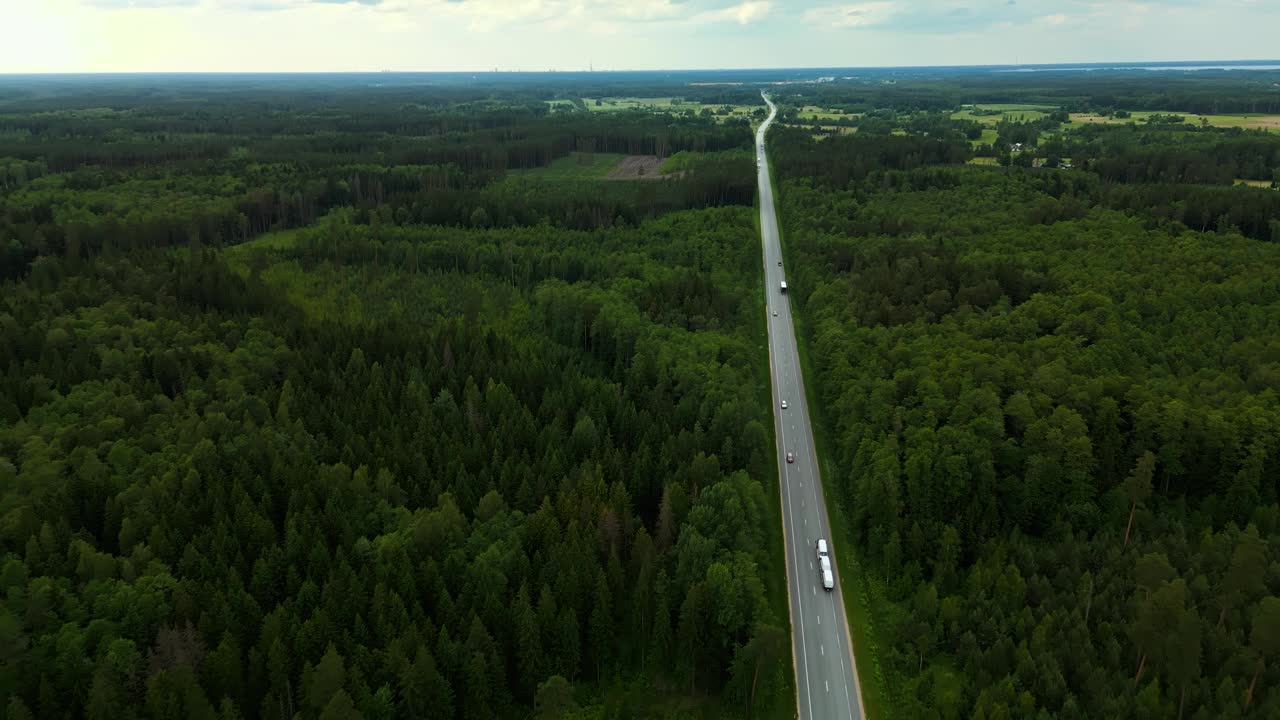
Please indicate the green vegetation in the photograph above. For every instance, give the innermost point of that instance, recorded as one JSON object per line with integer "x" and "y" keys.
{"x": 1052, "y": 424}
{"x": 684, "y": 106}
{"x": 575, "y": 166}
{"x": 326, "y": 398}
{"x": 1247, "y": 122}
{"x": 993, "y": 114}
{"x": 454, "y": 430}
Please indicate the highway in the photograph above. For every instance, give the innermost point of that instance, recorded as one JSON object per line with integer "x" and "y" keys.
{"x": 826, "y": 681}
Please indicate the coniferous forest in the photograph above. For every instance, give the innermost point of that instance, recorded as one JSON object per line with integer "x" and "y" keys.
{"x": 1052, "y": 413}
{"x": 303, "y": 417}
{"x": 389, "y": 397}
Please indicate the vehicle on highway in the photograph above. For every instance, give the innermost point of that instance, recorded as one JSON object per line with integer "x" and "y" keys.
{"x": 828, "y": 579}
{"x": 779, "y": 263}
{"x": 784, "y": 404}
{"x": 791, "y": 457}
{"x": 784, "y": 287}
{"x": 822, "y": 548}
{"x": 775, "y": 313}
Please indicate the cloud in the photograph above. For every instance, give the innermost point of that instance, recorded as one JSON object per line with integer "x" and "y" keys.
{"x": 864, "y": 14}
{"x": 952, "y": 16}
{"x": 139, "y": 4}
{"x": 605, "y": 16}
{"x": 744, "y": 13}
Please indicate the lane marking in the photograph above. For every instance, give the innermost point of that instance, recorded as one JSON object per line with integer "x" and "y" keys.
{"x": 822, "y": 649}
{"x": 819, "y": 619}
{"x": 824, "y": 682}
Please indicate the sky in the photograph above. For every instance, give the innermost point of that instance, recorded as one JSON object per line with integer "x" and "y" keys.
{"x": 468, "y": 35}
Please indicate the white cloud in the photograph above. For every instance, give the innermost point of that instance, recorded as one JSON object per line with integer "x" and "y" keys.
{"x": 846, "y": 16}
{"x": 747, "y": 12}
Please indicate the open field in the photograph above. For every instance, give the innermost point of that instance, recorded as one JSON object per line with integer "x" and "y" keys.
{"x": 982, "y": 161}
{"x": 1011, "y": 113}
{"x": 989, "y": 136}
{"x": 1013, "y": 107}
{"x": 575, "y": 166}
{"x": 1248, "y": 122}
{"x": 812, "y": 112}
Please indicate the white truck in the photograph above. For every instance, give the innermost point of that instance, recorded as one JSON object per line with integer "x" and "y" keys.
{"x": 784, "y": 287}
{"x": 824, "y": 566}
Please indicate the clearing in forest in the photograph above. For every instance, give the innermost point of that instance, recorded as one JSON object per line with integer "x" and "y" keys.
{"x": 575, "y": 166}
{"x": 996, "y": 113}
{"x": 637, "y": 167}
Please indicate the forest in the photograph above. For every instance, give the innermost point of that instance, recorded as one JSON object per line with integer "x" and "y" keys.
{"x": 323, "y": 398}
{"x": 358, "y": 424}
{"x": 1051, "y": 403}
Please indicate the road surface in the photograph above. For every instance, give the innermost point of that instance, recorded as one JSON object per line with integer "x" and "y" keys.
{"x": 826, "y": 684}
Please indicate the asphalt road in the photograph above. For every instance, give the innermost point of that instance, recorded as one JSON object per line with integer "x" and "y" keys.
{"x": 826, "y": 683}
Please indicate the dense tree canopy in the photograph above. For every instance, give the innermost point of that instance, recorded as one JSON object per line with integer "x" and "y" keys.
{"x": 1056, "y": 430}
{"x": 435, "y": 453}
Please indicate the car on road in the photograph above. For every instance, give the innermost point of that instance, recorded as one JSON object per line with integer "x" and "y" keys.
{"x": 791, "y": 457}
{"x": 779, "y": 263}
{"x": 784, "y": 404}
{"x": 828, "y": 579}
{"x": 775, "y": 313}
{"x": 822, "y": 548}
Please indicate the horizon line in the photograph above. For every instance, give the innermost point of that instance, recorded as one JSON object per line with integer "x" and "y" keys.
{"x": 557, "y": 71}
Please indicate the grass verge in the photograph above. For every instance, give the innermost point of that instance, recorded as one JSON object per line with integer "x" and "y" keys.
{"x": 858, "y": 590}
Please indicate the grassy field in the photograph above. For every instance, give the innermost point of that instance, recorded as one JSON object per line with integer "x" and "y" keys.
{"x": 982, "y": 161}
{"x": 811, "y": 112}
{"x": 989, "y": 136}
{"x": 574, "y": 166}
{"x": 1013, "y": 107}
{"x": 1254, "y": 183}
{"x": 1010, "y": 113}
{"x": 278, "y": 240}
{"x": 1248, "y": 122}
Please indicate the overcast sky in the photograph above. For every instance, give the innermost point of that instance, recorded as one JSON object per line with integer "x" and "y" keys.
{"x": 355, "y": 35}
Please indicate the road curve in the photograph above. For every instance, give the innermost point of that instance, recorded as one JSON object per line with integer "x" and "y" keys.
{"x": 826, "y": 680}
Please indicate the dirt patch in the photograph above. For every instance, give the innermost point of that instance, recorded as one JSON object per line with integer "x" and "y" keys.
{"x": 637, "y": 167}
